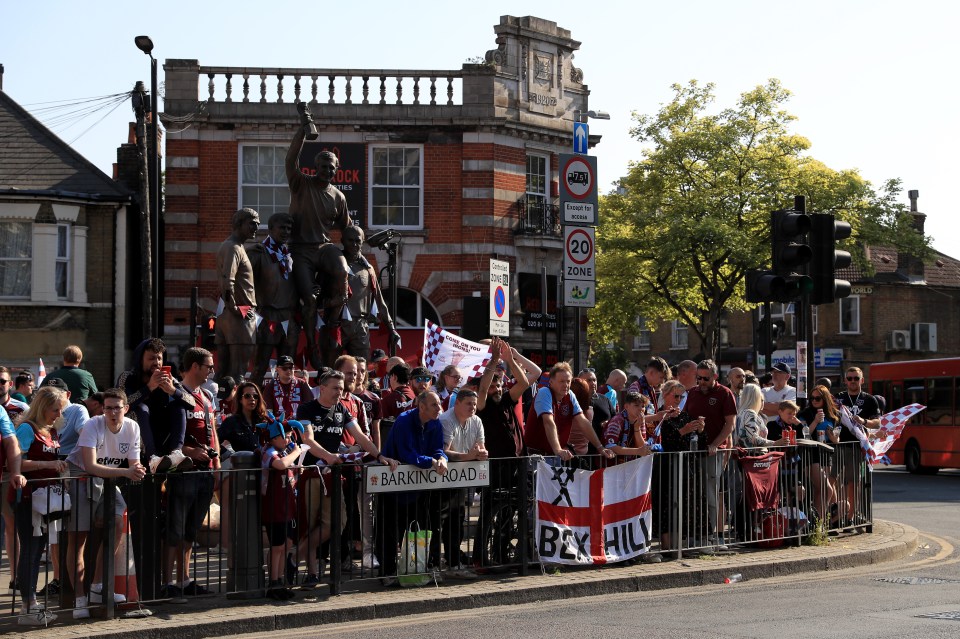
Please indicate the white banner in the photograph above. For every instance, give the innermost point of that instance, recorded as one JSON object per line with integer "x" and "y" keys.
{"x": 380, "y": 479}
{"x": 594, "y": 517}
{"x": 442, "y": 348}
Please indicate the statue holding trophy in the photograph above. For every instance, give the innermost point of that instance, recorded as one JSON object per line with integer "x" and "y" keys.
{"x": 320, "y": 270}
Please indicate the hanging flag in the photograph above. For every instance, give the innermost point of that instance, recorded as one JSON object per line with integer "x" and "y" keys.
{"x": 594, "y": 517}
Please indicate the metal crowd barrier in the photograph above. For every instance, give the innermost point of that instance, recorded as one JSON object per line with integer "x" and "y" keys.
{"x": 344, "y": 527}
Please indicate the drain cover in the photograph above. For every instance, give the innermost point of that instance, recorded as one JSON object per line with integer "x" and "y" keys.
{"x": 953, "y": 615}
{"x": 917, "y": 581}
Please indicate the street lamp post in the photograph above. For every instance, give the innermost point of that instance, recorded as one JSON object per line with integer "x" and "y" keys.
{"x": 145, "y": 44}
{"x": 582, "y": 116}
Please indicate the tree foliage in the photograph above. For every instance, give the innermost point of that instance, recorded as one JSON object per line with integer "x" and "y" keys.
{"x": 691, "y": 217}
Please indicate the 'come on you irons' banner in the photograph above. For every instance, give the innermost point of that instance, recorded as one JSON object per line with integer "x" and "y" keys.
{"x": 594, "y": 517}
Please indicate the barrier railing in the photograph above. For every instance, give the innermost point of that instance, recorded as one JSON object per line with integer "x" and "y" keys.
{"x": 245, "y": 532}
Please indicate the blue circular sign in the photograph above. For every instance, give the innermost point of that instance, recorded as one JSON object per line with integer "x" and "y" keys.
{"x": 499, "y": 301}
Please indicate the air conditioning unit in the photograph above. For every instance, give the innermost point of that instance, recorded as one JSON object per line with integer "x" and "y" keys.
{"x": 924, "y": 337}
{"x": 898, "y": 341}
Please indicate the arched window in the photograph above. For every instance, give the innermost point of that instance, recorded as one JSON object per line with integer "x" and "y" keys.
{"x": 413, "y": 309}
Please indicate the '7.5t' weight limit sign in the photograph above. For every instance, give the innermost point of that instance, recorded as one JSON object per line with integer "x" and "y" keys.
{"x": 578, "y": 189}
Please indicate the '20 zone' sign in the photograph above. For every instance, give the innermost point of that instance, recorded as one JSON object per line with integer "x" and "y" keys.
{"x": 579, "y": 253}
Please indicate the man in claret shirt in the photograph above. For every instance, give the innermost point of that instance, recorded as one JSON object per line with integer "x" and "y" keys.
{"x": 189, "y": 494}
{"x": 285, "y": 393}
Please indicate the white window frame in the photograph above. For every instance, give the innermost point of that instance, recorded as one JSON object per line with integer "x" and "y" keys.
{"x": 843, "y": 302}
{"x": 372, "y": 186}
{"x": 676, "y": 331}
{"x": 64, "y": 259}
{"x": 421, "y": 300}
{"x": 28, "y": 260}
{"x": 816, "y": 321}
{"x": 641, "y": 341}
{"x": 531, "y": 194}
{"x": 281, "y": 187}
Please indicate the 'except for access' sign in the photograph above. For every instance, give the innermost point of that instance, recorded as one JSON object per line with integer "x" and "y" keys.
{"x": 500, "y": 298}
{"x": 579, "y": 253}
{"x": 578, "y": 189}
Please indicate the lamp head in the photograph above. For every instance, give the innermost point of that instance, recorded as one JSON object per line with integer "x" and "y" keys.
{"x": 144, "y": 43}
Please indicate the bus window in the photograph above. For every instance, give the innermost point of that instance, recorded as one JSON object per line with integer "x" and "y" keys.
{"x": 895, "y": 396}
{"x": 940, "y": 401}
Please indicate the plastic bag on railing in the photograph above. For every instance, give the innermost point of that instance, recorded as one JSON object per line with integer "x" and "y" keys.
{"x": 413, "y": 557}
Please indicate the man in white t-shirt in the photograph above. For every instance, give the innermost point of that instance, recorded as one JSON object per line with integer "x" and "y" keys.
{"x": 779, "y": 392}
{"x": 462, "y": 441}
{"x": 108, "y": 447}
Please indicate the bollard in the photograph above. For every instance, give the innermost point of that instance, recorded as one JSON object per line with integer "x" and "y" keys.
{"x": 245, "y": 579}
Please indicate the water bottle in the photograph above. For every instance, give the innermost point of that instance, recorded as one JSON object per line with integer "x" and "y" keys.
{"x": 821, "y": 436}
{"x": 806, "y": 432}
{"x": 694, "y": 439}
{"x": 734, "y": 578}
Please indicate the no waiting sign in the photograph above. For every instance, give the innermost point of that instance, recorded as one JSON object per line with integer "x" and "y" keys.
{"x": 499, "y": 298}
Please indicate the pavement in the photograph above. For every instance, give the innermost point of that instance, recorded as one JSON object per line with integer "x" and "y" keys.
{"x": 217, "y": 616}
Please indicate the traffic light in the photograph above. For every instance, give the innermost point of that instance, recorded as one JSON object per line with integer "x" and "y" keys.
{"x": 825, "y": 232}
{"x": 208, "y": 333}
{"x": 764, "y": 286}
{"x": 791, "y": 254}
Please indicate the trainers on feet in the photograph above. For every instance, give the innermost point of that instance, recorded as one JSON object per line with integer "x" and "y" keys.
{"x": 461, "y": 572}
{"x": 52, "y": 589}
{"x": 80, "y": 609}
{"x": 370, "y": 561}
{"x": 35, "y": 617}
{"x": 717, "y": 543}
{"x": 651, "y": 558}
{"x": 193, "y": 589}
{"x": 310, "y": 582}
{"x": 169, "y": 591}
{"x": 96, "y": 596}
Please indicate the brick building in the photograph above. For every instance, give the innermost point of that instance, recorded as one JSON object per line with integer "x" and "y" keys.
{"x": 462, "y": 162}
{"x": 908, "y": 309}
{"x": 62, "y": 247}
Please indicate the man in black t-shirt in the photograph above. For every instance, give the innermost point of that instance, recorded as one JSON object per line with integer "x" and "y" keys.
{"x": 503, "y": 438}
{"x": 324, "y": 421}
{"x": 865, "y": 413}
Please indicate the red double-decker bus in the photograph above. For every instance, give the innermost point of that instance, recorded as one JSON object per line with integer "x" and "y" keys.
{"x": 931, "y": 440}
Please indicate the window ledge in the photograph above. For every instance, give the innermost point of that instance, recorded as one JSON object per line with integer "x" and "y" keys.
{"x": 58, "y": 303}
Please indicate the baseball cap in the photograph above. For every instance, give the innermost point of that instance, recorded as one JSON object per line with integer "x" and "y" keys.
{"x": 781, "y": 367}
{"x": 285, "y": 360}
{"x": 55, "y": 382}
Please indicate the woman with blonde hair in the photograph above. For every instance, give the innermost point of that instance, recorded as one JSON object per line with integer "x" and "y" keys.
{"x": 751, "y": 431}
{"x": 42, "y": 468}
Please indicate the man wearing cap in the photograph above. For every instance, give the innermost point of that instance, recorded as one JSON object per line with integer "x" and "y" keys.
{"x": 286, "y": 393}
{"x": 780, "y": 391}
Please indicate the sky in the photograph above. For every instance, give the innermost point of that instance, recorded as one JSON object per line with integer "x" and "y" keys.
{"x": 870, "y": 80}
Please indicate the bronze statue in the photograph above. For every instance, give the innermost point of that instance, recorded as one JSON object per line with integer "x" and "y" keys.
{"x": 236, "y": 326}
{"x": 319, "y": 268}
{"x": 365, "y": 294}
{"x": 276, "y": 294}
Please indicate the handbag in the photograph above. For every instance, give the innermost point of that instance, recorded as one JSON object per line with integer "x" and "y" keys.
{"x": 412, "y": 566}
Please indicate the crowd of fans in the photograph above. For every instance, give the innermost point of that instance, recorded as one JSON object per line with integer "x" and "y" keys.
{"x": 169, "y": 429}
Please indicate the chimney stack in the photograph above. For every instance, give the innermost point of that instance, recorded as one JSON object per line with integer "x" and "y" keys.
{"x": 911, "y": 267}
{"x": 1, "y": 77}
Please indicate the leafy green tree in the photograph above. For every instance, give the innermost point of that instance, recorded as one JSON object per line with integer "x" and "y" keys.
{"x": 691, "y": 217}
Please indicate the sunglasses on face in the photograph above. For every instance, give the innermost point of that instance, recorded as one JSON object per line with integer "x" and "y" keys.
{"x": 816, "y": 398}
{"x": 4, "y": 381}
{"x": 680, "y": 396}
{"x": 423, "y": 380}
{"x": 250, "y": 396}
{"x": 853, "y": 379}
{"x": 701, "y": 378}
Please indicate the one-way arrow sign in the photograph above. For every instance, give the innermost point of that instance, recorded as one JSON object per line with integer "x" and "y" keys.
{"x": 581, "y": 138}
